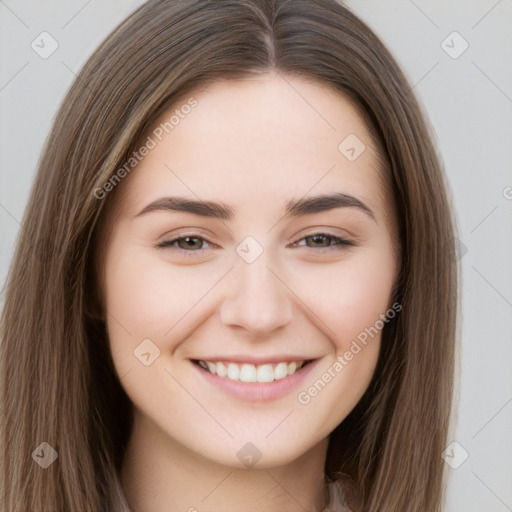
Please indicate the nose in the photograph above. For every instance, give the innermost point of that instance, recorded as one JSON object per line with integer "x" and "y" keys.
{"x": 257, "y": 300}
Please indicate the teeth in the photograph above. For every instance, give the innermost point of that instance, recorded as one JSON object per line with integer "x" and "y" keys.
{"x": 250, "y": 372}
{"x": 280, "y": 371}
{"x": 221, "y": 370}
{"x": 233, "y": 371}
{"x": 265, "y": 373}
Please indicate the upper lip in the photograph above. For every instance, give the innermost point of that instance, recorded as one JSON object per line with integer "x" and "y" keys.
{"x": 254, "y": 360}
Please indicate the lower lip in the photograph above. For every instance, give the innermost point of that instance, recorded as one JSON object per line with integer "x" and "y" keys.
{"x": 257, "y": 391}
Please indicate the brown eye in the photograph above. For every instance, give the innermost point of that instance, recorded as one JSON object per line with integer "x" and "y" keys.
{"x": 184, "y": 243}
{"x": 325, "y": 241}
{"x": 320, "y": 240}
{"x": 190, "y": 242}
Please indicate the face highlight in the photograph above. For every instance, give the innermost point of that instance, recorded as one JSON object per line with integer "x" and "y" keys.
{"x": 248, "y": 252}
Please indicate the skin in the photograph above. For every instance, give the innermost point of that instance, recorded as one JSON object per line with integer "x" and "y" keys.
{"x": 254, "y": 144}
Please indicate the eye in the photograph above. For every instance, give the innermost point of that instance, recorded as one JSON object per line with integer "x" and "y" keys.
{"x": 194, "y": 244}
{"x": 189, "y": 243}
{"x": 325, "y": 241}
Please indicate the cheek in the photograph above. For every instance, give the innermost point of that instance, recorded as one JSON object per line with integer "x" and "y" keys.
{"x": 350, "y": 299}
{"x": 350, "y": 295}
{"x": 145, "y": 296}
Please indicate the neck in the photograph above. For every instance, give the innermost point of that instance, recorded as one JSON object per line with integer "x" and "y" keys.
{"x": 159, "y": 474}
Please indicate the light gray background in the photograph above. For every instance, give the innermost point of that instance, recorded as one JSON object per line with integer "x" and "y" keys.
{"x": 469, "y": 102}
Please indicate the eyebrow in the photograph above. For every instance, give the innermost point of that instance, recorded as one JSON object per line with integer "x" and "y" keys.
{"x": 223, "y": 211}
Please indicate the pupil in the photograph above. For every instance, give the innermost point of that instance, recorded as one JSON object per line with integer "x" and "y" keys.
{"x": 189, "y": 240}
{"x": 319, "y": 238}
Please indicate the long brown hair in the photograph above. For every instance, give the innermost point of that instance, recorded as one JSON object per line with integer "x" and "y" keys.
{"x": 58, "y": 384}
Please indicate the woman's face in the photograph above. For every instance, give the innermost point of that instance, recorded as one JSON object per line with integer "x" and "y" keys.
{"x": 225, "y": 252}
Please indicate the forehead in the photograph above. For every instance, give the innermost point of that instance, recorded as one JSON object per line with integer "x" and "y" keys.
{"x": 257, "y": 139}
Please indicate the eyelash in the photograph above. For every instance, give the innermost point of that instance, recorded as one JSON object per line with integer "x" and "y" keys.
{"x": 338, "y": 245}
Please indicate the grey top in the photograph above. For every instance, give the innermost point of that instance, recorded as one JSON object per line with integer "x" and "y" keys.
{"x": 336, "y": 499}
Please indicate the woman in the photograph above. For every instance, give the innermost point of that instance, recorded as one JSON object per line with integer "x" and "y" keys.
{"x": 159, "y": 323}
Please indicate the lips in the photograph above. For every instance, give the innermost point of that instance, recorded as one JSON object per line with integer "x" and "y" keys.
{"x": 264, "y": 390}
{"x": 249, "y": 372}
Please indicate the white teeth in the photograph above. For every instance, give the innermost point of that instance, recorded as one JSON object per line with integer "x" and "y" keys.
{"x": 250, "y": 372}
{"x": 280, "y": 371}
{"x": 221, "y": 369}
{"x": 292, "y": 367}
{"x": 265, "y": 373}
{"x": 233, "y": 371}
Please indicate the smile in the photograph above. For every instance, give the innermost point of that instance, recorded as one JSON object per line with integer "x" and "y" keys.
{"x": 248, "y": 372}
{"x": 255, "y": 379}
